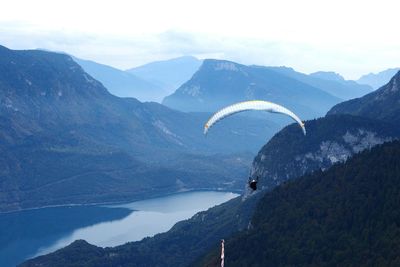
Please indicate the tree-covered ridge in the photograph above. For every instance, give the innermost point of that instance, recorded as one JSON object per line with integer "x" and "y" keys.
{"x": 348, "y": 215}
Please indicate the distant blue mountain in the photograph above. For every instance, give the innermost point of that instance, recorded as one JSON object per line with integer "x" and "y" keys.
{"x": 121, "y": 83}
{"x": 168, "y": 74}
{"x": 382, "y": 104}
{"x": 376, "y": 80}
{"x": 218, "y": 83}
{"x": 328, "y": 75}
{"x": 329, "y": 82}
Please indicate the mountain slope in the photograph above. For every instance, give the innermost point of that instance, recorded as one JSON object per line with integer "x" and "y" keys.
{"x": 346, "y": 216}
{"x": 62, "y": 136}
{"x": 168, "y": 74}
{"x": 218, "y": 83}
{"x": 329, "y": 140}
{"x": 383, "y": 104}
{"x": 377, "y": 80}
{"x": 121, "y": 83}
{"x": 65, "y": 139}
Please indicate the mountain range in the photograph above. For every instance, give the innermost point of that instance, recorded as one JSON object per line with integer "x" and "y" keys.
{"x": 122, "y": 83}
{"x": 218, "y": 83}
{"x": 376, "y": 80}
{"x": 154, "y": 81}
{"x": 150, "y": 82}
{"x": 168, "y": 74}
{"x": 65, "y": 139}
{"x": 330, "y": 82}
{"x": 341, "y": 212}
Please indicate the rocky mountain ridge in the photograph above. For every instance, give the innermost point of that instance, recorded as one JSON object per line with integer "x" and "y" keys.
{"x": 329, "y": 141}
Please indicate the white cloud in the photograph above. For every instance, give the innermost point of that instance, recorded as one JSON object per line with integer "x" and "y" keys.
{"x": 351, "y": 37}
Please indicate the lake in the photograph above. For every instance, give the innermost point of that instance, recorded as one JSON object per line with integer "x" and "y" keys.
{"x": 31, "y": 233}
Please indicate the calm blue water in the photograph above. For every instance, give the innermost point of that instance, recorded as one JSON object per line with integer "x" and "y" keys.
{"x": 35, "y": 232}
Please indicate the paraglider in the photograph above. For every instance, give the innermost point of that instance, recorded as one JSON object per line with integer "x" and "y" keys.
{"x": 251, "y": 105}
{"x": 253, "y": 183}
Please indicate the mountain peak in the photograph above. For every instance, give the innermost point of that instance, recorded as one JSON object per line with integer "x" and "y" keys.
{"x": 328, "y": 75}
{"x": 394, "y": 83}
{"x": 221, "y": 82}
{"x": 221, "y": 65}
{"x": 381, "y": 104}
{"x": 42, "y": 74}
{"x": 168, "y": 74}
{"x": 3, "y": 48}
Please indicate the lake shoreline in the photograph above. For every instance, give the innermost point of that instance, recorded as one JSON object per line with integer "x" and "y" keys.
{"x": 40, "y": 231}
{"x": 121, "y": 202}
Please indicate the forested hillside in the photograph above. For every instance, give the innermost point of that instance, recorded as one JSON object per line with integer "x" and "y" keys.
{"x": 346, "y": 216}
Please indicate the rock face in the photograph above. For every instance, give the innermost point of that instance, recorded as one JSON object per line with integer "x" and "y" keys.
{"x": 218, "y": 83}
{"x": 329, "y": 140}
{"x": 382, "y": 104}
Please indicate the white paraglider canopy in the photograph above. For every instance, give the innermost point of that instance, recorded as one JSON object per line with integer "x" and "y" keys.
{"x": 251, "y": 105}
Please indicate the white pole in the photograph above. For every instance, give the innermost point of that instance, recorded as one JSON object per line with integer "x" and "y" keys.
{"x": 222, "y": 252}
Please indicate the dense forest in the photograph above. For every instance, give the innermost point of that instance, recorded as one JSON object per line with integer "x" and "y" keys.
{"x": 348, "y": 215}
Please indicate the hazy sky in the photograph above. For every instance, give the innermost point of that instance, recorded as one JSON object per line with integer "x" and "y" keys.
{"x": 349, "y": 37}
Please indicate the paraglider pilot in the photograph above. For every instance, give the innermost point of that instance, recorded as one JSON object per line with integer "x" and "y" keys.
{"x": 253, "y": 183}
